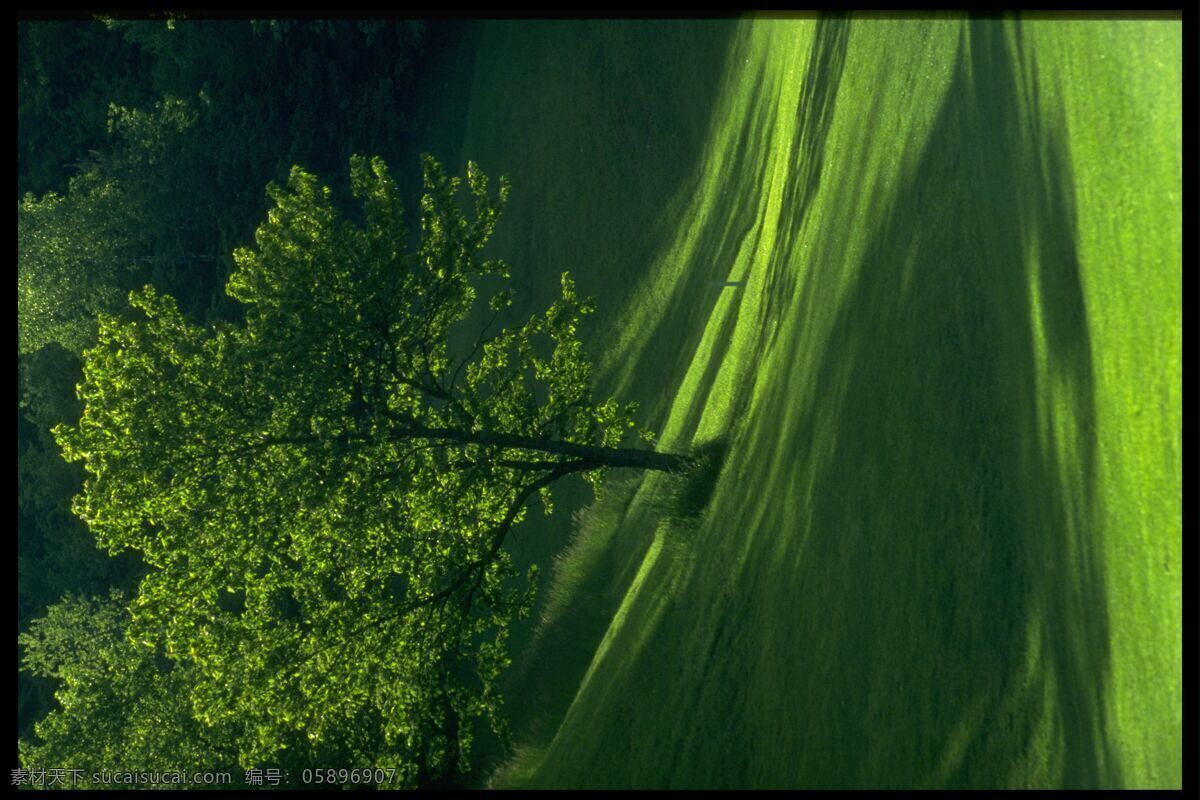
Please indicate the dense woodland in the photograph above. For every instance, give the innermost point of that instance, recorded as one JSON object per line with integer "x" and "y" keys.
{"x": 143, "y": 151}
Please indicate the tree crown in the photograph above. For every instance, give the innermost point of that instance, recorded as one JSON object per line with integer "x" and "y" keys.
{"x": 323, "y": 490}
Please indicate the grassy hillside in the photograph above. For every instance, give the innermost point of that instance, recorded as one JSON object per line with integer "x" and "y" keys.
{"x": 940, "y": 541}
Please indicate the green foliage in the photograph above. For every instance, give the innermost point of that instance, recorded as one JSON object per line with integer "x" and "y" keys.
{"x": 79, "y": 253}
{"x": 282, "y": 92}
{"x": 323, "y": 490}
{"x": 57, "y": 554}
{"x": 69, "y": 259}
{"x": 68, "y": 73}
{"x": 76, "y": 637}
{"x": 116, "y": 190}
{"x": 122, "y": 706}
{"x": 162, "y": 162}
{"x": 238, "y": 104}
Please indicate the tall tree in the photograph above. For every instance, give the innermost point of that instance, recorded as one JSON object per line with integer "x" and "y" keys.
{"x": 323, "y": 491}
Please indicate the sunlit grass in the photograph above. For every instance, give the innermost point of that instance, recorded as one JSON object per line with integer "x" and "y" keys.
{"x": 943, "y": 544}
{"x": 1126, "y": 143}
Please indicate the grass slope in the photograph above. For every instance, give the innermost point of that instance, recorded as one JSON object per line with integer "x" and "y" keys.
{"x": 943, "y": 546}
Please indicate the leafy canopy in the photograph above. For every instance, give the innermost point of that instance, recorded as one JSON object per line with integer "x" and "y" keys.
{"x": 119, "y": 699}
{"x": 69, "y": 256}
{"x": 322, "y": 491}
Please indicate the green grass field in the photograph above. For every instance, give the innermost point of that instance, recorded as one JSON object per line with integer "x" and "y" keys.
{"x": 939, "y": 543}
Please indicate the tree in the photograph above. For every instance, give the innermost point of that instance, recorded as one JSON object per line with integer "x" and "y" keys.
{"x": 78, "y": 254}
{"x": 69, "y": 262}
{"x": 124, "y": 707}
{"x": 323, "y": 491}
{"x": 156, "y": 139}
{"x": 161, "y": 159}
{"x": 68, "y": 73}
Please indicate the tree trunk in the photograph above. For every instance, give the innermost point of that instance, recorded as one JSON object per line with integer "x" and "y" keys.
{"x": 587, "y": 456}
{"x": 602, "y": 456}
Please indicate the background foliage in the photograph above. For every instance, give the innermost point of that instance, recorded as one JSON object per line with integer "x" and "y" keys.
{"x": 143, "y": 150}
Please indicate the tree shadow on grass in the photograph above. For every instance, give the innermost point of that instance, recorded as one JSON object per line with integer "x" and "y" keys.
{"x": 620, "y": 114}
{"x": 815, "y": 109}
{"x": 695, "y": 487}
{"x": 922, "y": 599}
{"x": 958, "y": 485}
{"x": 679, "y": 330}
{"x": 566, "y": 643}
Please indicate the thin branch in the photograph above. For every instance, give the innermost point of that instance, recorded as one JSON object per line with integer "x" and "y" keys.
{"x": 476, "y": 568}
{"x": 501, "y": 531}
{"x": 479, "y": 342}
